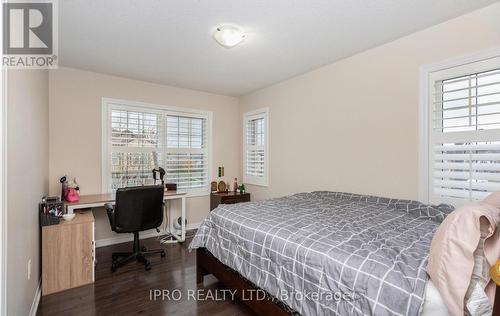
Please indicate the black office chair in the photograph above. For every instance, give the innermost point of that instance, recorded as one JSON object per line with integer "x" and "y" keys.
{"x": 136, "y": 209}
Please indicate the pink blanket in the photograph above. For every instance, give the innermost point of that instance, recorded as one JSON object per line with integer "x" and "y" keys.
{"x": 451, "y": 258}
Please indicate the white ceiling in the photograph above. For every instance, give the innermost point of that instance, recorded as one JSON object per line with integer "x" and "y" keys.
{"x": 170, "y": 41}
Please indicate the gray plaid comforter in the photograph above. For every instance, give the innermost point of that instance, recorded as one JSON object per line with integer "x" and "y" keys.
{"x": 328, "y": 253}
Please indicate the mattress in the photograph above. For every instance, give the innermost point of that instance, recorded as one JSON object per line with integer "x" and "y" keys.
{"x": 309, "y": 248}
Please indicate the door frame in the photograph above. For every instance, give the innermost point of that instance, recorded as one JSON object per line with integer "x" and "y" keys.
{"x": 3, "y": 182}
{"x": 3, "y": 193}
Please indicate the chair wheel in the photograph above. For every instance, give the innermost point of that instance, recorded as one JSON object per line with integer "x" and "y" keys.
{"x": 144, "y": 249}
{"x": 148, "y": 266}
{"x": 162, "y": 254}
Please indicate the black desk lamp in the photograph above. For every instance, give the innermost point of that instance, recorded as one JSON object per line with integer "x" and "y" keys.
{"x": 158, "y": 174}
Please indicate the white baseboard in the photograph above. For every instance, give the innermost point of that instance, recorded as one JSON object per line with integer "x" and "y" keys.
{"x": 128, "y": 237}
{"x": 36, "y": 299}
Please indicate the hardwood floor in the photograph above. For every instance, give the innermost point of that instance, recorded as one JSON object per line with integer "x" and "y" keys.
{"x": 128, "y": 290}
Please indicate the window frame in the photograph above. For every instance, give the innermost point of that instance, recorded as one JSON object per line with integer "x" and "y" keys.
{"x": 459, "y": 66}
{"x": 253, "y": 180}
{"x": 110, "y": 103}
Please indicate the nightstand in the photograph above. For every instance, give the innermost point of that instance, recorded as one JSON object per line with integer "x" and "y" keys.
{"x": 228, "y": 198}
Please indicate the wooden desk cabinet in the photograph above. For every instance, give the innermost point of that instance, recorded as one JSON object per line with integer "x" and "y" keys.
{"x": 68, "y": 254}
{"x": 228, "y": 198}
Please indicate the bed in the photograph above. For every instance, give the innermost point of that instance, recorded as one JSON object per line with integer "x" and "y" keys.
{"x": 323, "y": 253}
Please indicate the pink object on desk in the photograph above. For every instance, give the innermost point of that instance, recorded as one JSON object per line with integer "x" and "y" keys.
{"x": 71, "y": 195}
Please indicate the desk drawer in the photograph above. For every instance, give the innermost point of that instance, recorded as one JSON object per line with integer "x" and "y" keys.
{"x": 227, "y": 198}
{"x": 235, "y": 199}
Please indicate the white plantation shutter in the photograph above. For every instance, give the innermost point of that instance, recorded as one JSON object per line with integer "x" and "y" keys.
{"x": 465, "y": 137}
{"x": 140, "y": 139}
{"x": 256, "y": 147}
{"x": 135, "y": 147}
{"x": 468, "y": 103}
{"x": 187, "y": 151}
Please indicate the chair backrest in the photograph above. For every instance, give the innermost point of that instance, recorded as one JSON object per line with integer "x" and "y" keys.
{"x": 138, "y": 208}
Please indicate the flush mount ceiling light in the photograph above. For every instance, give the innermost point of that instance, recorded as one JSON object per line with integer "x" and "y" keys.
{"x": 229, "y": 35}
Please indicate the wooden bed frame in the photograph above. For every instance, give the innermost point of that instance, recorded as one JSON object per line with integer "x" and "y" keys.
{"x": 207, "y": 264}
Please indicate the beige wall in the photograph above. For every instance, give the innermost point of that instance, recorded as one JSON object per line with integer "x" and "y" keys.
{"x": 352, "y": 126}
{"x": 355, "y": 125}
{"x": 27, "y": 181}
{"x": 75, "y": 130}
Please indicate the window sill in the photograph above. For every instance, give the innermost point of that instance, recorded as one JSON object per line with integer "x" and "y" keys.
{"x": 264, "y": 185}
{"x": 196, "y": 194}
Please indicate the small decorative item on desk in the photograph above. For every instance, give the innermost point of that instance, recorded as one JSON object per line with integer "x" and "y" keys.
{"x": 70, "y": 190}
{"x": 50, "y": 210}
{"x": 242, "y": 188}
{"x": 221, "y": 187}
{"x": 158, "y": 174}
{"x": 213, "y": 186}
{"x": 68, "y": 217}
{"x": 63, "y": 186}
{"x": 235, "y": 185}
{"x": 171, "y": 186}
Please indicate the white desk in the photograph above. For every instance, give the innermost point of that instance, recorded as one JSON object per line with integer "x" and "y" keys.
{"x": 99, "y": 200}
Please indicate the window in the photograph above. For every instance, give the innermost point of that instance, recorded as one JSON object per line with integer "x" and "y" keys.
{"x": 186, "y": 154}
{"x": 138, "y": 138}
{"x": 256, "y": 144}
{"x": 464, "y": 146}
